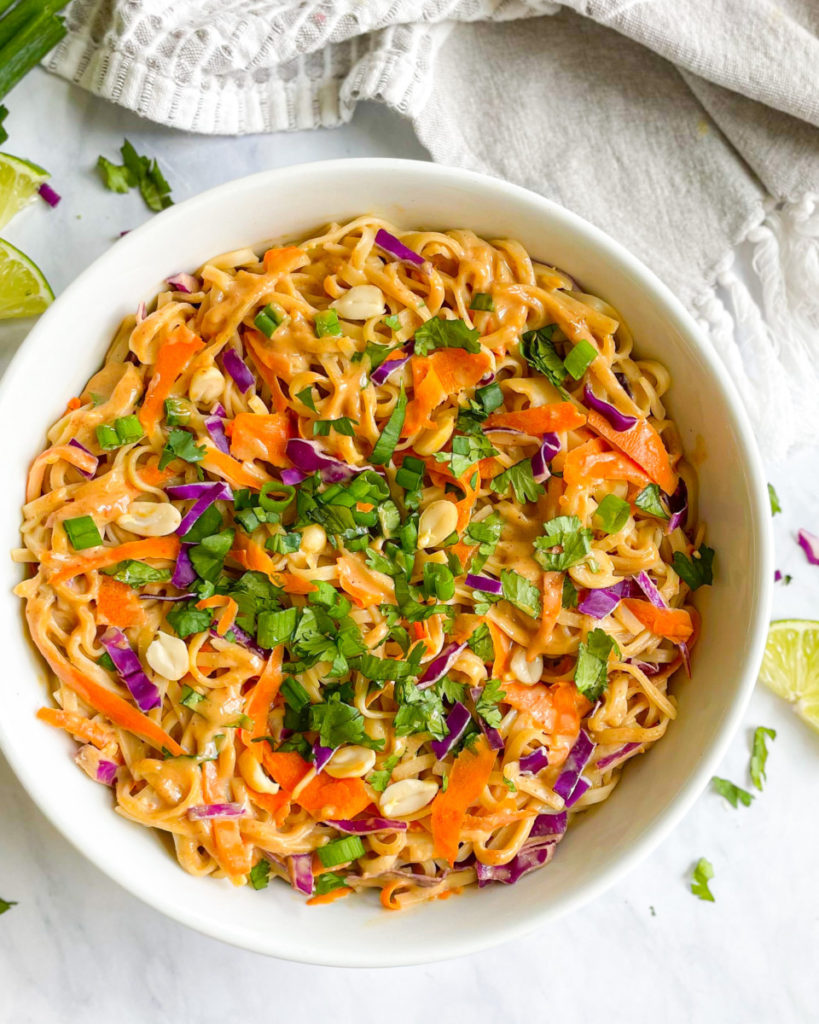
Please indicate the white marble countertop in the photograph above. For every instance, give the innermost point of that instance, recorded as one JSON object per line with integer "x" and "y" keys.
{"x": 78, "y": 948}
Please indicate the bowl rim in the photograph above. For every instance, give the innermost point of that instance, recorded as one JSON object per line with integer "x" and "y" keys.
{"x": 658, "y": 294}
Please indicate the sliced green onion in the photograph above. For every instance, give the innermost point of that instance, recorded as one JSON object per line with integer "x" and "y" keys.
{"x": 276, "y": 504}
{"x": 128, "y": 429}
{"x": 482, "y": 301}
{"x": 327, "y": 324}
{"x": 190, "y": 697}
{"x": 385, "y": 445}
{"x": 612, "y": 513}
{"x": 82, "y": 532}
{"x": 294, "y": 694}
{"x": 580, "y": 358}
{"x": 177, "y": 412}
{"x": 107, "y": 437}
{"x": 341, "y": 851}
{"x": 270, "y": 319}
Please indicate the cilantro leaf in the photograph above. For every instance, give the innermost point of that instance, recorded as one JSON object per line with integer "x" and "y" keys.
{"x": 7, "y": 905}
{"x": 522, "y": 481}
{"x": 181, "y": 445}
{"x": 116, "y": 178}
{"x": 208, "y": 557}
{"x": 486, "y": 535}
{"x": 612, "y": 513}
{"x": 517, "y": 590}
{"x": 759, "y": 755}
{"x": 450, "y": 690}
{"x": 135, "y": 574}
{"x": 276, "y": 627}
{"x": 732, "y": 793}
{"x": 418, "y": 711}
{"x": 569, "y": 596}
{"x": 375, "y": 353}
{"x": 649, "y": 501}
{"x": 380, "y": 778}
{"x": 537, "y": 349}
{"x": 484, "y": 401}
{"x": 260, "y": 874}
{"x": 591, "y": 671}
{"x": 697, "y": 571}
{"x": 384, "y": 670}
{"x": 563, "y": 532}
{"x": 338, "y": 723}
{"x": 481, "y": 643}
{"x": 774, "y": 499}
{"x": 305, "y": 396}
{"x": 185, "y": 618}
{"x": 487, "y": 704}
{"x": 703, "y": 873}
{"x": 467, "y": 449}
{"x": 342, "y": 425}
{"x": 438, "y": 333}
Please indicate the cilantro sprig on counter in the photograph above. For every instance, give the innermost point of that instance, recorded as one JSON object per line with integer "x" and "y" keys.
{"x": 136, "y": 171}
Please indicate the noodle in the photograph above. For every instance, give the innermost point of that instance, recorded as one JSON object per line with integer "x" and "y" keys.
{"x": 382, "y": 427}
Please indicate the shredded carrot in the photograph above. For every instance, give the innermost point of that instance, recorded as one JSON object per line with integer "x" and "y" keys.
{"x": 277, "y": 804}
{"x": 672, "y": 623}
{"x": 642, "y": 444}
{"x": 280, "y": 402}
{"x": 594, "y": 461}
{"x": 434, "y": 378}
{"x": 261, "y": 697}
{"x": 463, "y": 552}
{"x": 151, "y": 547}
{"x": 329, "y": 897}
{"x": 154, "y": 476}
{"x": 257, "y": 436}
{"x": 79, "y": 726}
{"x": 118, "y": 604}
{"x": 228, "y": 616}
{"x": 234, "y": 472}
{"x": 272, "y": 358}
{"x": 386, "y": 895}
{"x": 73, "y": 403}
{"x": 323, "y": 797}
{"x": 284, "y": 260}
{"x": 365, "y": 586}
{"x": 555, "y": 417}
{"x": 171, "y": 360}
{"x": 467, "y": 780}
{"x": 502, "y": 646}
{"x": 551, "y": 593}
{"x": 557, "y": 709}
{"x": 234, "y": 855}
{"x": 103, "y": 701}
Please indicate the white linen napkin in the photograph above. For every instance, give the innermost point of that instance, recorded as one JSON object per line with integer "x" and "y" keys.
{"x": 684, "y": 128}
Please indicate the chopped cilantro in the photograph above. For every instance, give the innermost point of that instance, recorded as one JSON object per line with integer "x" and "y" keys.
{"x": 537, "y": 349}
{"x": 338, "y": 723}
{"x": 306, "y": 398}
{"x": 385, "y": 445}
{"x": 438, "y": 333}
{"x": 6, "y": 905}
{"x": 209, "y": 555}
{"x": 591, "y": 671}
{"x": 342, "y": 425}
{"x": 612, "y": 513}
{"x": 481, "y": 643}
{"x": 380, "y": 778}
{"x": 393, "y": 321}
{"x": 190, "y": 697}
{"x": 565, "y": 533}
{"x": 774, "y": 499}
{"x": 327, "y": 324}
{"x": 487, "y": 704}
{"x": 517, "y": 590}
{"x": 137, "y": 172}
{"x": 521, "y": 479}
{"x": 759, "y": 755}
{"x": 467, "y": 449}
{"x": 696, "y": 571}
{"x": 135, "y": 574}
{"x": 649, "y": 501}
{"x": 486, "y": 535}
{"x": 569, "y": 596}
{"x": 181, "y": 445}
{"x": 702, "y": 875}
{"x": 418, "y": 711}
{"x": 260, "y": 874}
{"x": 185, "y": 618}
{"x": 276, "y": 627}
{"x": 376, "y": 354}
{"x": 733, "y": 794}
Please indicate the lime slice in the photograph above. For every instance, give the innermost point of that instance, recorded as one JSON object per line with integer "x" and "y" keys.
{"x": 790, "y": 666}
{"x": 19, "y": 181}
{"x": 23, "y": 289}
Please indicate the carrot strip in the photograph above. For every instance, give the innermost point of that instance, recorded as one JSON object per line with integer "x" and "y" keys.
{"x": 151, "y": 547}
{"x": 436, "y": 377}
{"x": 284, "y": 260}
{"x": 257, "y": 436}
{"x": 540, "y": 419}
{"x": 467, "y": 780}
{"x": 329, "y": 897}
{"x": 642, "y": 444}
{"x": 323, "y": 797}
{"x": 234, "y": 472}
{"x": 102, "y": 700}
{"x": 73, "y": 403}
{"x": 79, "y": 726}
{"x": 551, "y": 591}
{"x": 502, "y": 646}
{"x": 171, "y": 360}
{"x": 263, "y": 694}
{"x": 228, "y": 616}
{"x": 594, "y": 461}
{"x": 235, "y": 856}
{"x": 280, "y": 402}
{"x": 385, "y": 896}
{"x": 672, "y": 623}
{"x": 118, "y": 604}
{"x": 557, "y": 709}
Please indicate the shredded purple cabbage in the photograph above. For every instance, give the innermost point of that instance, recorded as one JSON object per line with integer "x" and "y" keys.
{"x": 619, "y": 420}
{"x": 579, "y": 757}
{"x": 389, "y": 243}
{"x": 128, "y": 666}
{"x": 456, "y": 722}
{"x": 238, "y": 369}
{"x": 440, "y": 665}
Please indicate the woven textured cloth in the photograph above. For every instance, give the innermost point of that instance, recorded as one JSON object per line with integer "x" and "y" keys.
{"x": 685, "y": 128}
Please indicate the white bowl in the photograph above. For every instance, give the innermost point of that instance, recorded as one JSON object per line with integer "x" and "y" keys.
{"x": 68, "y": 344}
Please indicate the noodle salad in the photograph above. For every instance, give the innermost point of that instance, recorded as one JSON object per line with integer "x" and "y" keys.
{"x": 364, "y": 563}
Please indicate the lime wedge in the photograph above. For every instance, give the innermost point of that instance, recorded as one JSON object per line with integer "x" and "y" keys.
{"x": 19, "y": 181}
{"x": 790, "y": 666}
{"x": 24, "y": 290}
